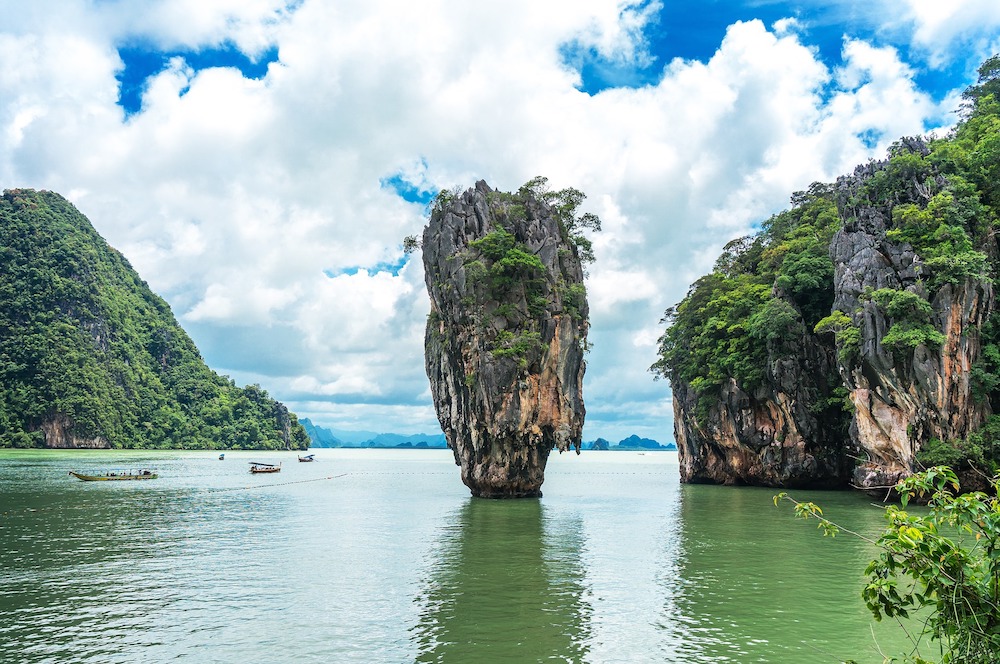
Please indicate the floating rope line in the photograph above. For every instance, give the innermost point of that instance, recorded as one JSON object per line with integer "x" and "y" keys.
{"x": 88, "y": 504}
{"x": 250, "y": 487}
{"x": 267, "y": 486}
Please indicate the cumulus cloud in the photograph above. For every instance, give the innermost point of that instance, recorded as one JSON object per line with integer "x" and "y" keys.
{"x": 259, "y": 207}
{"x": 940, "y": 26}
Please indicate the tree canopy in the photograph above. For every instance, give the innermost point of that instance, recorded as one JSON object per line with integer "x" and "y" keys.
{"x": 764, "y": 289}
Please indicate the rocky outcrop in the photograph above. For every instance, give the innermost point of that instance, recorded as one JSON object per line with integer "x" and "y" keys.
{"x": 902, "y": 399}
{"x": 60, "y": 432}
{"x": 505, "y": 336}
{"x": 773, "y": 436}
{"x": 858, "y": 406}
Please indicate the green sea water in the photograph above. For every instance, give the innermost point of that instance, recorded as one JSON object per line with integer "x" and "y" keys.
{"x": 382, "y": 556}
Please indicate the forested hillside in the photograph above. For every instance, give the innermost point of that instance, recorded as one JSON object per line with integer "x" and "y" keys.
{"x": 855, "y": 337}
{"x": 90, "y": 357}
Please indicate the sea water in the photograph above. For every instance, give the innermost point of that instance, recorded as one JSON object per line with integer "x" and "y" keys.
{"x": 383, "y": 556}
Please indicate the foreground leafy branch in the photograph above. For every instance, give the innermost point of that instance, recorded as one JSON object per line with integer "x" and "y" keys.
{"x": 946, "y": 562}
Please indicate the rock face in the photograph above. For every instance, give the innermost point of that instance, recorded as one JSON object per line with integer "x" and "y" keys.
{"x": 59, "y": 432}
{"x": 773, "y": 436}
{"x": 902, "y": 400}
{"x": 505, "y": 336}
{"x": 905, "y": 371}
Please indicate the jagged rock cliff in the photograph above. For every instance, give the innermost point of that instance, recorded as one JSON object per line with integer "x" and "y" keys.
{"x": 903, "y": 397}
{"x": 773, "y": 435}
{"x": 505, "y": 336}
{"x": 851, "y": 341}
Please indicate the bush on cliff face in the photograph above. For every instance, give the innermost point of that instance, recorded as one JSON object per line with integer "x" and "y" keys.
{"x": 985, "y": 374}
{"x": 910, "y": 315}
{"x": 846, "y": 334}
{"x": 979, "y": 453}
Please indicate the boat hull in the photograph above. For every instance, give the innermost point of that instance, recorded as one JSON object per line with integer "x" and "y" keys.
{"x": 112, "y": 478}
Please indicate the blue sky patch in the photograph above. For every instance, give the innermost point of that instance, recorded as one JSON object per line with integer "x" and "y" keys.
{"x": 408, "y": 191}
{"x": 694, "y": 31}
{"x": 870, "y": 138}
{"x": 391, "y": 268}
{"x": 142, "y": 62}
{"x": 598, "y": 73}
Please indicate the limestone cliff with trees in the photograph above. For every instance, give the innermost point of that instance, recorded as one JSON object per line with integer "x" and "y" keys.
{"x": 507, "y": 330}
{"x": 855, "y": 339}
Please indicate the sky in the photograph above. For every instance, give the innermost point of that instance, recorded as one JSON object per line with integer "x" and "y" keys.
{"x": 259, "y": 162}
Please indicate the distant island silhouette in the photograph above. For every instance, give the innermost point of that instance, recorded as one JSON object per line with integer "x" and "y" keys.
{"x": 321, "y": 436}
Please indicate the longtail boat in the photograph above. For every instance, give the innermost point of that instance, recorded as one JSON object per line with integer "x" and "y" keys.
{"x": 116, "y": 476}
{"x": 308, "y": 457}
{"x": 257, "y": 467}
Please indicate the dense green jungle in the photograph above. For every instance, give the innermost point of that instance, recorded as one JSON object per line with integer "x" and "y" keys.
{"x": 940, "y": 199}
{"x": 91, "y": 357}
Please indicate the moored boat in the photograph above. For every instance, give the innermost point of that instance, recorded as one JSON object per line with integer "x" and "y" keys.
{"x": 116, "y": 475}
{"x": 307, "y": 458}
{"x": 258, "y": 467}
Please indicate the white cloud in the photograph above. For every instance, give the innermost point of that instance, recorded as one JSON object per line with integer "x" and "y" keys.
{"x": 617, "y": 30}
{"x": 938, "y": 26}
{"x": 256, "y": 206}
{"x": 786, "y": 26}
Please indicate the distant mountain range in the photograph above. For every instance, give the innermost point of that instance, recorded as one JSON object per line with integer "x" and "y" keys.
{"x": 324, "y": 437}
{"x": 630, "y": 444}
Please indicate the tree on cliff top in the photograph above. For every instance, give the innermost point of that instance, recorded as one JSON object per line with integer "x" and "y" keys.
{"x": 566, "y": 203}
{"x": 988, "y": 83}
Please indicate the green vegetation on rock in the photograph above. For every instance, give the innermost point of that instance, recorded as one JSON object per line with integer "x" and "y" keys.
{"x": 911, "y": 320}
{"x": 517, "y": 287}
{"x": 766, "y": 289}
{"x": 90, "y": 355}
{"x": 920, "y": 225}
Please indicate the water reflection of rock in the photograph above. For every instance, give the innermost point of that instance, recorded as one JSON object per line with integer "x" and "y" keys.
{"x": 508, "y": 587}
